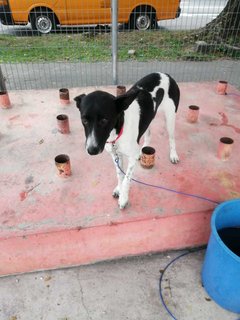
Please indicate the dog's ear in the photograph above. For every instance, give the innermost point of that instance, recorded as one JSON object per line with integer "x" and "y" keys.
{"x": 78, "y": 100}
{"x": 123, "y": 101}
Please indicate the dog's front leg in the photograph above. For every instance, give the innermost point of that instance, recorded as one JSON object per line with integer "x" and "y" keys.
{"x": 118, "y": 162}
{"x": 123, "y": 198}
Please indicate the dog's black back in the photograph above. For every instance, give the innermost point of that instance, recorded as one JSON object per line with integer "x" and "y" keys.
{"x": 151, "y": 95}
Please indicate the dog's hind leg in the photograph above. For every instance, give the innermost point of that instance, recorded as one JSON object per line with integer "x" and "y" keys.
{"x": 170, "y": 116}
{"x": 147, "y": 138}
{"x": 146, "y": 141}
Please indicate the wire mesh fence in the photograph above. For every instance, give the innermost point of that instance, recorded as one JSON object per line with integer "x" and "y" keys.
{"x": 69, "y": 42}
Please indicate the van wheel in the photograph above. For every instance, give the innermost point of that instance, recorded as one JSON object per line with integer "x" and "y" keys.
{"x": 143, "y": 18}
{"x": 43, "y": 21}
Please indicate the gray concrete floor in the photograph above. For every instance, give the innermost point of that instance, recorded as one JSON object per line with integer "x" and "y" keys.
{"x": 119, "y": 290}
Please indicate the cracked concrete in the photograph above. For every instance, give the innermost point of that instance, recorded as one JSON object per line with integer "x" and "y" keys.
{"x": 120, "y": 290}
{"x": 82, "y": 299}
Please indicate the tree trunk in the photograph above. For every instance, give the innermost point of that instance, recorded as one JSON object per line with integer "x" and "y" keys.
{"x": 225, "y": 27}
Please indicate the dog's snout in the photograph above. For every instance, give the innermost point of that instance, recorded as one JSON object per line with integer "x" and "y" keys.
{"x": 92, "y": 145}
{"x": 93, "y": 150}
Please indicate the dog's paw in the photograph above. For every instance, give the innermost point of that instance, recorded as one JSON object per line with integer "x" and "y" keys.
{"x": 116, "y": 193}
{"x": 122, "y": 205}
{"x": 122, "y": 202}
{"x": 174, "y": 157}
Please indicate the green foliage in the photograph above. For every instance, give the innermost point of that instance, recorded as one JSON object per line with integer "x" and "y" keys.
{"x": 86, "y": 47}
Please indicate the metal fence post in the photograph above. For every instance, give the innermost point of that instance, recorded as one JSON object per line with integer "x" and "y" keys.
{"x": 2, "y": 82}
{"x": 115, "y": 41}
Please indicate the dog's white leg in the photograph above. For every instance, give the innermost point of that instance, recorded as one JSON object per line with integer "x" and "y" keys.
{"x": 123, "y": 198}
{"x": 120, "y": 175}
{"x": 147, "y": 138}
{"x": 170, "y": 116}
{"x": 146, "y": 141}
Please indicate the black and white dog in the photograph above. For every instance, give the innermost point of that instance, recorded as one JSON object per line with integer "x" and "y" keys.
{"x": 118, "y": 123}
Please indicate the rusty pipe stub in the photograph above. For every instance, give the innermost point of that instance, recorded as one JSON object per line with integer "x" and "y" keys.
{"x": 121, "y": 90}
{"x": 64, "y": 96}
{"x": 62, "y": 162}
{"x": 193, "y": 113}
{"x": 63, "y": 123}
{"x": 4, "y": 100}
{"x": 225, "y": 148}
{"x": 147, "y": 158}
{"x": 222, "y": 87}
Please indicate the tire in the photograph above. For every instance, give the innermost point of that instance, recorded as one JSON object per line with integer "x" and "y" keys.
{"x": 142, "y": 19}
{"x": 43, "y": 21}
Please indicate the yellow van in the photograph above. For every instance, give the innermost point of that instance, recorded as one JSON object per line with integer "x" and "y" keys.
{"x": 45, "y": 15}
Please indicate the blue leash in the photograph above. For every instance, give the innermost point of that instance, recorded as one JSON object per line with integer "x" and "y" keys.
{"x": 161, "y": 278}
{"x": 168, "y": 189}
{"x": 182, "y": 255}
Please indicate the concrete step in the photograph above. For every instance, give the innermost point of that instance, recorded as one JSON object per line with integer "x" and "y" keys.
{"x": 48, "y": 222}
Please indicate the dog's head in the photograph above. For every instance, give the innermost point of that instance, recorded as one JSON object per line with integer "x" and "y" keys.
{"x": 99, "y": 112}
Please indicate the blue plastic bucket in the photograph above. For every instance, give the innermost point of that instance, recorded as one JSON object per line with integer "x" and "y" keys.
{"x": 221, "y": 268}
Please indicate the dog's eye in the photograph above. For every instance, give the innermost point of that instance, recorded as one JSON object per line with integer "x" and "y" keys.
{"x": 103, "y": 122}
{"x": 84, "y": 121}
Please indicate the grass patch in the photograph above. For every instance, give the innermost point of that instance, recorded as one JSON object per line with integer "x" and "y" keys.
{"x": 151, "y": 45}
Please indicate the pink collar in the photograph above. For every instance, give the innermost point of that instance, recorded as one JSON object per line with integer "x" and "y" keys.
{"x": 119, "y": 135}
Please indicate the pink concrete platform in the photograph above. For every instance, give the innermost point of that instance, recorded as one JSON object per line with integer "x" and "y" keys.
{"x": 49, "y": 222}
